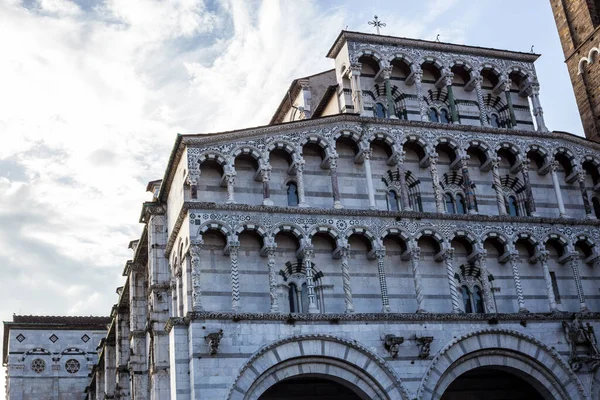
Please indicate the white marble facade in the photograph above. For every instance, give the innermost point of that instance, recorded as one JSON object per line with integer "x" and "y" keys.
{"x": 380, "y": 249}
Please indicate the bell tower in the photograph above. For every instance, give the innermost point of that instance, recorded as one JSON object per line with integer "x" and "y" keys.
{"x": 578, "y": 23}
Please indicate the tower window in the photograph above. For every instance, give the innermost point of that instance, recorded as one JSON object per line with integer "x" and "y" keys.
{"x": 449, "y": 203}
{"x": 596, "y": 204}
{"x": 379, "y": 110}
{"x": 511, "y": 206}
{"x": 472, "y": 300}
{"x": 444, "y": 117}
{"x": 466, "y": 300}
{"x": 433, "y": 115}
{"x": 495, "y": 120}
{"x": 460, "y": 204}
{"x": 292, "y": 194}
{"x": 392, "y": 201}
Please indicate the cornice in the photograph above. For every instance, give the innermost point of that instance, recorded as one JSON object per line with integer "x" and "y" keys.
{"x": 347, "y": 36}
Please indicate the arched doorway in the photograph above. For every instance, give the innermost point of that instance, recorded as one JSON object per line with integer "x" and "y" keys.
{"x": 310, "y": 388}
{"x": 491, "y": 383}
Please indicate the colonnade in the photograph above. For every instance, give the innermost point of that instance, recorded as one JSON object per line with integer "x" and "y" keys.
{"x": 305, "y": 253}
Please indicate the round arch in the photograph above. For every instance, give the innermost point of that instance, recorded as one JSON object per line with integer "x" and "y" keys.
{"x": 324, "y": 355}
{"x": 522, "y": 353}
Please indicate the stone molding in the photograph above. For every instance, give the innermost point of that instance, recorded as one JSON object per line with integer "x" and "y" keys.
{"x": 456, "y": 350}
{"x": 253, "y": 367}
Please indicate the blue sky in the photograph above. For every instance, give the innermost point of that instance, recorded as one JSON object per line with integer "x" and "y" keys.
{"x": 92, "y": 94}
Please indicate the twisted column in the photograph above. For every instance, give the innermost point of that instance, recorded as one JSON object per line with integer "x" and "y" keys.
{"x": 468, "y": 185}
{"x": 230, "y": 178}
{"x": 337, "y": 203}
{"x": 498, "y": 186}
{"x": 370, "y": 190}
{"x": 387, "y": 72}
{"x": 514, "y": 259}
{"x": 511, "y": 110}
{"x": 488, "y": 297}
{"x": 343, "y": 253}
{"x": 385, "y": 300}
{"x": 415, "y": 257}
{"x": 449, "y": 260}
{"x": 480, "y": 101}
{"x": 555, "y": 182}
{"x": 195, "y": 248}
{"x": 270, "y": 250}
{"x": 435, "y": 180}
{"x": 403, "y": 186}
{"x": 533, "y": 91}
{"x": 574, "y": 261}
{"x": 419, "y": 86}
{"x": 542, "y": 258}
{"x": 586, "y": 200}
{"x": 265, "y": 174}
{"x": 448, "y": 81}
{"x": 308, "y": 254}
{"x": 529, "y": 202}
{"x": 232, "y": 248}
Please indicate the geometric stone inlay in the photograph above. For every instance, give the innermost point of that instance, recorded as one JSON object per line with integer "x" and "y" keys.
{"x": 72, "y": 366}
{"x": 53, "y": 338}
{"x": 85, "y": 338}
{"x": 20, "y": 338}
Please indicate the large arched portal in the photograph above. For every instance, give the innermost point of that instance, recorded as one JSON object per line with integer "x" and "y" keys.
{"x": 311, "y": 388}
{"x": 491, "y": 383}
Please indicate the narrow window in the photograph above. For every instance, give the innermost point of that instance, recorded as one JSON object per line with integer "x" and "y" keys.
{"x": 555, "y": 287}
{"x": 292, "y": 194}
{"x": 433, "y": 115}
{"x": 495, "y": 120}
{"x": 596, "y": 204}
{"x": 444, "y": 117}
{"x": 460, "y": 204}
{"x": 392, "y": 200}
{"x": 379, "y": 110}
{"x": 466, "y": 299}
{"x": 513, "y": 209}
{"x": 293, "y": 297}
{"x": 449, "y": 203}
{"x": 304, "y": 298}
{"x": 478, "y": 300}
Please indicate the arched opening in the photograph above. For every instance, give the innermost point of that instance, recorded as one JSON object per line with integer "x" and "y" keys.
{"x": 311, "y": 387}
{"x": 491, "y": 383}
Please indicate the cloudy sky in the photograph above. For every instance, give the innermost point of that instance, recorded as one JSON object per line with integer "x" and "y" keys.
{"x": 92, "y": 94}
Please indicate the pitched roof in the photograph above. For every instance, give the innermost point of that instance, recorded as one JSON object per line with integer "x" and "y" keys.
{"x": 61, "y": 320}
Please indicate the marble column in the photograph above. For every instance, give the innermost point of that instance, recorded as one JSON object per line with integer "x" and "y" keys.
{"x": 511, "y": 110}
{"x": 265, "y": 174}
{"x": 533, "y": 91}
{"x": 529, "y": 201}
{"x": 343, "y": 254}
{"x": 403, "y": 186}
{"x": 370, "y": 189}
{"x": 195, "y": 248}
{"x": 542, "y": 258}
{"x": 435, "y": 181}
{"x": 514, "y": 259}
{"x": 418, "y": 74}
{"x": 308, "y": 255}
{"x": 232, "y": 249}
{"x": 357, "y": 99}
{"x": 480, "y": 101}
{"x": 557, "y": 191}
{"x": 488, "y": 296}
{"x": 415, "y": 258}
{"x": 584, "y": 195}
{"x": 453, "y": 111}
{"x": 337, "y": 201}
{"x": 230, "y": 179}
{"x": 498, "y": 186}
{"x": 449, "y": 260}
{"x": 468, "y": 185}
{"x": 574, "y": 261}
{"x": 385, "y": 300}
{"x": 300, "y": 182}
{"x": 269, "y": 249}
{"x": 387, "y": 73}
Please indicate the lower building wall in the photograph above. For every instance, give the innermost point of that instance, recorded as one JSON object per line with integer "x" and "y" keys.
{"x": 253, "y": 355}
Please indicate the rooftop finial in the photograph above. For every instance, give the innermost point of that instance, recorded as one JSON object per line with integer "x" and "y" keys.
{"x": 531, "y": 49}
{"x": 437, "y": 38}
{"x": 377, "y": 24}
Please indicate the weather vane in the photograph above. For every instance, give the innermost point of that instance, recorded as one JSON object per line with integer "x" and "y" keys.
{"x": 377, "y": 24}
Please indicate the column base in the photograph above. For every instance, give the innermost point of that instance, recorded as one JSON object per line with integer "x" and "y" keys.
{"x": 372, "y": 207}
{"x": 385, "y": 309}
{"x": 313, "y": 310}
{"x": 421, "y": 311}
{"x": 349, "y": 310}
{"x": 584, "y": 309}
{"x": 535, "y": 214}
{"x": 337, "y": 205}
{"x": 267, "y": 202}
{"x": 230, "y": 202}
{"x": 590, "y": 216}
{"x": 303, "y": 205}
{"x": 472, "y": 212}
{"x": 563, "y": 216}
{"x": 523, "y": 310}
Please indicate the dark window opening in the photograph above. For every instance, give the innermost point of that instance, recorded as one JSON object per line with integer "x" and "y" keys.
{"x": 511, "y": 206}
{"x": 466, "y": 300}
{"x": 433, "y": 115}
{"x": 292, "y": 194}
{"x": 379, "y": 110}
{"x": 596, "y": 204}
{"x": 392, "y": 201}
{"x": 449, "y": 203}
{"x": 555, "y": 287}
{"x": 460, "y": 204}
{"x": 444, "y": 117}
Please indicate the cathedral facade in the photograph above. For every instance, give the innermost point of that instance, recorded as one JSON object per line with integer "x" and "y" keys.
{"x": 406, "y": 227}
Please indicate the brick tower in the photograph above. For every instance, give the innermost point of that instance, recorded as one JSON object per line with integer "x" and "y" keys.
{"x": 578, "y": 22}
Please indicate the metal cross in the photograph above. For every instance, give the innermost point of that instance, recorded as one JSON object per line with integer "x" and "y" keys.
{"x": 377, "y": 24}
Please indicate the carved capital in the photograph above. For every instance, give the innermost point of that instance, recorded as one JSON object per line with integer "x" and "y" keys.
{"x": 213, "y": 340}
{"x": 392, "y": 344}
{"x": 424, "y": 343}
